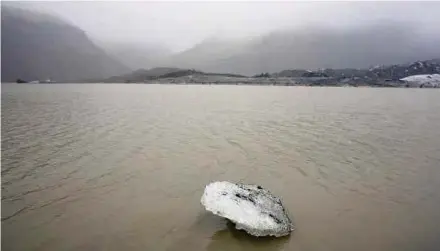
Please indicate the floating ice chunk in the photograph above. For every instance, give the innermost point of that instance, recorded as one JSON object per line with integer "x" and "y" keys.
{"x": 252, "y": 208}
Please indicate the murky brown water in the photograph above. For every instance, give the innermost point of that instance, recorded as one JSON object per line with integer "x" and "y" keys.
{"x": 123, "y": 167}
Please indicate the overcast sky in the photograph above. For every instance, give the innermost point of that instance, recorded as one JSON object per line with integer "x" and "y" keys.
{"x": 179, "y": 25}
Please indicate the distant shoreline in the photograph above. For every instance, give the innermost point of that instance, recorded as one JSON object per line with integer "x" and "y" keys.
{"x": 229, "y": 84}
{"x": 420, "y": 74}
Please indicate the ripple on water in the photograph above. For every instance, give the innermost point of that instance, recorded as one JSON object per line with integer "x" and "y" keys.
{"x": 123, "y": 166}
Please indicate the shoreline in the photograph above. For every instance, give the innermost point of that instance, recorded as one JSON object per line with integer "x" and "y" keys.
{"x": 229, "y": 84}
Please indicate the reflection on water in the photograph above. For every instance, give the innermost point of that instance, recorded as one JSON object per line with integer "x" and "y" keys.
{"x": 232, "y": 239}
{"x": 213, "y": 233}
{"x": 123, "y": 167}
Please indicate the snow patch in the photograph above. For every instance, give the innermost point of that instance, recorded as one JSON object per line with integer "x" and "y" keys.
{"x": 432, "y": 80}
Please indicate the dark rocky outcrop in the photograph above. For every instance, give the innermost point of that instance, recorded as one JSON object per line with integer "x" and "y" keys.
{"x": 20, "y": 81}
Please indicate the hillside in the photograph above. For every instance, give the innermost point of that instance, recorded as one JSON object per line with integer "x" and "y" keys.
{"x": 36, "y": 46}
{"x": 143, "y": 75}
{"x": 139, "y": 75}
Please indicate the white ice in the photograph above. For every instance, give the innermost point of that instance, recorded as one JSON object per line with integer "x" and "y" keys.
{"x": 250, "y": 207}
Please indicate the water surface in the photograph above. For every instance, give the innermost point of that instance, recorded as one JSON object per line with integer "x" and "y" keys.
{"x": 123, "y": 167}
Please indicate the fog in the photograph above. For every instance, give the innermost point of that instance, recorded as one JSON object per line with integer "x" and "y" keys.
{"x": 180, "y": 25}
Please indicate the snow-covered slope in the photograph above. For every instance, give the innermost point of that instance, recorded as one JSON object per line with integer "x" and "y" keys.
{"x": 423, "y": 80}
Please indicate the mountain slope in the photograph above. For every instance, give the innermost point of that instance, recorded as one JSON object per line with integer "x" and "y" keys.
{"x": 36, "y": 46}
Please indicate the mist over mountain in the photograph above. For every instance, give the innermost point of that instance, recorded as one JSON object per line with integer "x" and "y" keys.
{"x": 86, "y": 40}
{"x": 208, "y": 52}
{"x": 311, "y": 48}
{"x": 37, "y": 46}
{"x": 136, "y": 55}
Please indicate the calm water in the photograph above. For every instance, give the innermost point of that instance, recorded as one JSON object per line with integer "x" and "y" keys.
{"x": 123, "y": 167}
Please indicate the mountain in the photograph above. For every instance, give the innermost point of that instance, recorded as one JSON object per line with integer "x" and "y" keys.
{"x": 37, "y": 46}
{"x": 311, "y": 48}
{"x": 208, "y": 52}
{"x": 136, "y": 55}
{"x": 40, "y": 46}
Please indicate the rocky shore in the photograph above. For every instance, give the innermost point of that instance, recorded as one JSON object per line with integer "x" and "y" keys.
{"x": 286, "y": 81}
{"x": 420, "y": 74}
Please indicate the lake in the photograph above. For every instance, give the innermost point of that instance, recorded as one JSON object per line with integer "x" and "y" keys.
{"x": 123, "y": 167}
